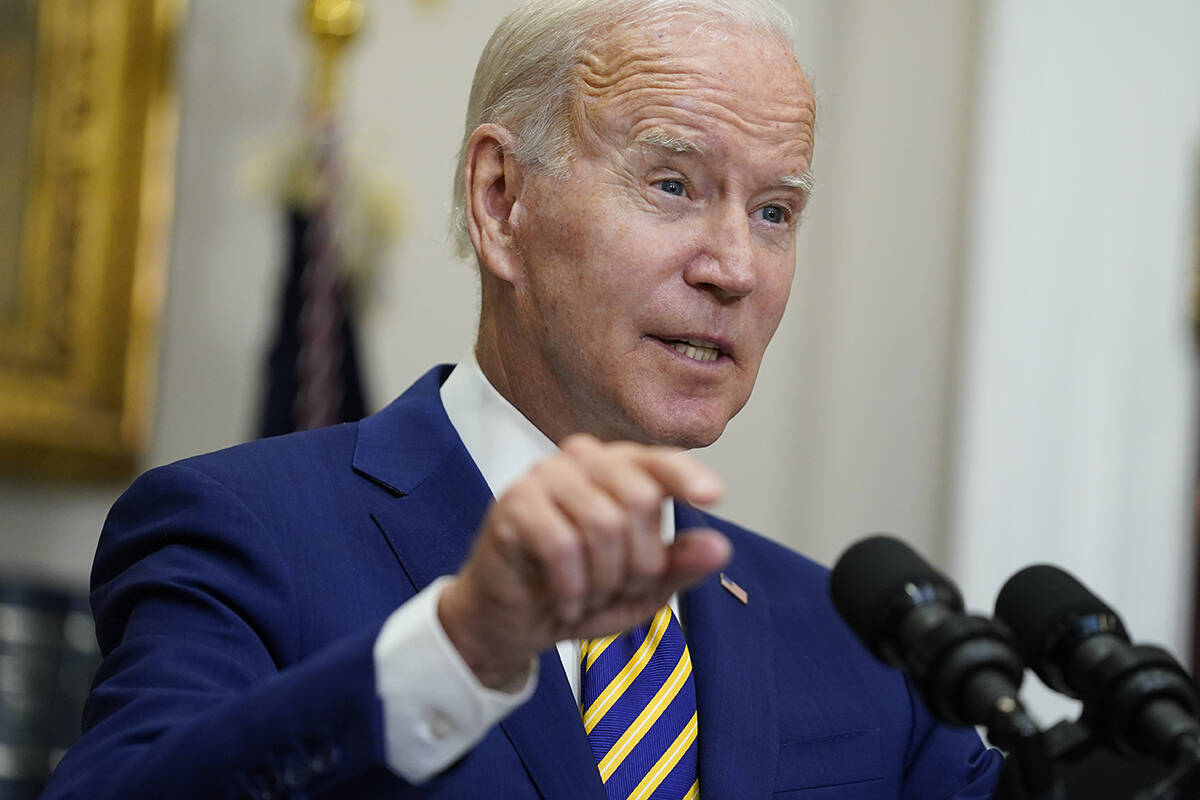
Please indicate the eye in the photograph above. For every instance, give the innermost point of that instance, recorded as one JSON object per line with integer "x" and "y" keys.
{"x": 672, "y": 186}
{"x": 774, "y": 214}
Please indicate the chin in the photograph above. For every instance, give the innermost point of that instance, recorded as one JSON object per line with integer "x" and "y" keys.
{"x": 694, "y": 441}
{"x": 675, "y": 419}
{"x": 680, "y": 430}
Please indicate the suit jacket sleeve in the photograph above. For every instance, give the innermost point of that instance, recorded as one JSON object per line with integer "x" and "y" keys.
{"x": 952, "y": 759}
{"x": 195, "y": 614}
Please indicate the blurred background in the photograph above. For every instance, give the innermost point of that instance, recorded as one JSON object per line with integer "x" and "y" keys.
{"x": 989, "y": 349}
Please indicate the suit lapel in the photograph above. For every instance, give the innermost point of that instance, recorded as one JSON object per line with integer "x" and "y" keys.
{"x": 548, "y": 734}
{"x": 431, "y": 527}
{"x": 411, "y": 449}
{"x": 731, "y": 647}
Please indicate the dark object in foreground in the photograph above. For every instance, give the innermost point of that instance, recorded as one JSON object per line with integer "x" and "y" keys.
{"x": 48, "y": 654}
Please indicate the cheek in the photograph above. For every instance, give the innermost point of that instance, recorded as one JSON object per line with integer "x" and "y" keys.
{"x": 616, "y": 265}
{"x": 774, "y": 295}
{"x": 780, "y": 292}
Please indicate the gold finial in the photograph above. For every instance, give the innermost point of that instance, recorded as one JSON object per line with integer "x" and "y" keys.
{"x": 333, "y": 24}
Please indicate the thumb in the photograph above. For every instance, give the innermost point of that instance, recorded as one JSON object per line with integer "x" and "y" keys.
{"x": 695, "y": 555}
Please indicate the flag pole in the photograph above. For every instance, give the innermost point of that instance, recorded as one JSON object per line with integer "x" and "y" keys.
{"x": 313, "y": 372}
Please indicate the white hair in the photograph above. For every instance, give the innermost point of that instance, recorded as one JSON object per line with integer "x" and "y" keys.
{"x": 523, "y": 81}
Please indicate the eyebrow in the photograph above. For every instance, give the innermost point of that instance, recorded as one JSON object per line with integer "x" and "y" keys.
{"x": 805, "y": 182}
{"x": 657, "y": 137}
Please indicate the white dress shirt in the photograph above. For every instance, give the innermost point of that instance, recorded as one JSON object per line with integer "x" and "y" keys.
{"x": 434, "y": 708}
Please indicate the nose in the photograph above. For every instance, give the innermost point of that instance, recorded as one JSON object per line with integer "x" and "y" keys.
{"x": 724, "y": 265}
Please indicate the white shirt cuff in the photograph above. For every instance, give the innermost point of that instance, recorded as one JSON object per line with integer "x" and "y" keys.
{"x": 434, "y": 708}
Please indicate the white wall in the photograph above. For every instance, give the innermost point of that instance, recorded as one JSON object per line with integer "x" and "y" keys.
{"x": 848, "y": 431}
{"x": 1076, "y": 444}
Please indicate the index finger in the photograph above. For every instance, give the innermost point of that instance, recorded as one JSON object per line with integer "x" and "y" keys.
{"x": 680, "y": 474}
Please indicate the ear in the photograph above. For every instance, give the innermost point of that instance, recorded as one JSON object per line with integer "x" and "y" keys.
{"x": 493, "y": 188}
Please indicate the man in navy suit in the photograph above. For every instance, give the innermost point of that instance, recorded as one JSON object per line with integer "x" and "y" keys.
{"x": 395, "y": 608}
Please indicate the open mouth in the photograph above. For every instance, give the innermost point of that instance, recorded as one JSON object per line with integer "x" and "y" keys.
{"x": 695, "y": 349}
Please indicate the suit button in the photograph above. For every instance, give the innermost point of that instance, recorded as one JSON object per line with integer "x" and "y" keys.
{"x": 257, "y": 792}
{"x": 296, "y": 773}
{"x": 324, "y": 758}
{"x": 440, "y": 725}
{"x": 269, "y": 788}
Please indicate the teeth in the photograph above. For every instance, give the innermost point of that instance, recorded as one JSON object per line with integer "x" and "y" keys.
{"x": 696, "y": 350}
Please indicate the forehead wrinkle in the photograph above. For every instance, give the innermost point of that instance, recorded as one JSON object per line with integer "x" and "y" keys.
{"x": 695, "y": 126}
{"x": 654, "y": 105}
{"x": 595, "y": 84}
{"x": 597, "y": 77}
{"x": 617, "y": 52}
{"x": 619, "y": 46}
{"x": 661, "y": 58}
{"x": 629, "y": 82}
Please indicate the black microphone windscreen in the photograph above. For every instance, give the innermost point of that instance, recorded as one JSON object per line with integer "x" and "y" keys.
{"x": 1038, "y": 601}
{"x": 869, "y": 576}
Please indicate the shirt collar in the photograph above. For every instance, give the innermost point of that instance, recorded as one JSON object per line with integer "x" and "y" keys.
{"x": 500, "y": 439}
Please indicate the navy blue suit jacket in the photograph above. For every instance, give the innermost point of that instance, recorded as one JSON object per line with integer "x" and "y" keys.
{"x": 238, "y": 595}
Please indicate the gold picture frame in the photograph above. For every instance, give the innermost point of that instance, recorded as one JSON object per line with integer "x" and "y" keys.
{"x": 85, "y": 226}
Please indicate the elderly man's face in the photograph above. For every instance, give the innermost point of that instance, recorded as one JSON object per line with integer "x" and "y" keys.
{"x": 656, "y": 272}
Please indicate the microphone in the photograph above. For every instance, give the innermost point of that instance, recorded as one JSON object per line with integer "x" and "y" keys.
{"x": 1136, "y": 698}
{"x": 911, "y": 616}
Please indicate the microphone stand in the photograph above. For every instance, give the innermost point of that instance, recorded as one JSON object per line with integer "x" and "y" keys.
{"x": 1183, "y": 782}
{"x": 1031, "y": 771}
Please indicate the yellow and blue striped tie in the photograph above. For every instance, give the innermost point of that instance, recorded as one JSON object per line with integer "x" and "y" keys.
{"x": 638, "y": 702}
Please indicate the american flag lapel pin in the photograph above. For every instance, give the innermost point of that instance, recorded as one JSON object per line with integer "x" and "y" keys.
{"x": 735, "y": 590}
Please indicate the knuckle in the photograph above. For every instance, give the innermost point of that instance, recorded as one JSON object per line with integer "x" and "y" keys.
{"x": 671, "y": 453}
{"x": 559, "y": 550}
{"x": 568, "y": 587}
{"x": 608, "y": 522}
{"x": 578, "y": 443}
{"x": 642, "y": 497}
{"x": 553, "y": 474}
{"x": 630, "y": 449}
{"x": 541, "y": 472}
{"x": 519, "y": 493}
{"x": 505, "y": 530}
{"x": 516, "y": 510}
